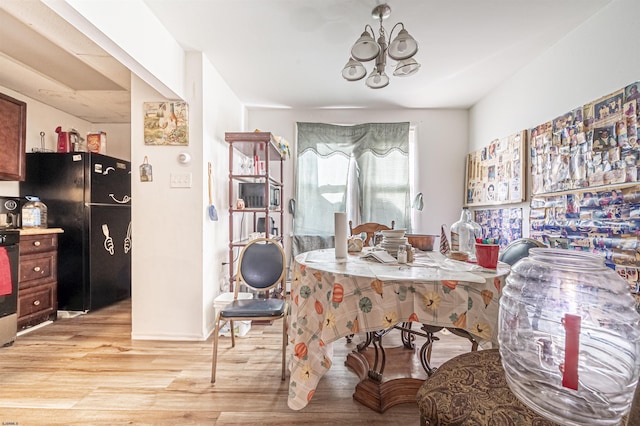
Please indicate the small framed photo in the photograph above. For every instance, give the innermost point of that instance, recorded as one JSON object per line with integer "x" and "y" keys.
{"x": 166, "y": 123}
{"x": 608, "y": 106}
{"x": 632, "y": 92}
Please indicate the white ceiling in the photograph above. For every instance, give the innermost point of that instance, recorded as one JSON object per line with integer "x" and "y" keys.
{"x": 289, "y": 53}
{"x": 45, "y": 58}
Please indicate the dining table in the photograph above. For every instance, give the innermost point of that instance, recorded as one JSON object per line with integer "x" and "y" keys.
{"x": 335, "y": 298}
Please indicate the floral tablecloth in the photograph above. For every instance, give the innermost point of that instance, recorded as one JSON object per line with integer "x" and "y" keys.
{"x": 330, "y": 300}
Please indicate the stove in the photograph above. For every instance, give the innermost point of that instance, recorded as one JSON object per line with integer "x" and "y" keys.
{"x": 9, "y": 240}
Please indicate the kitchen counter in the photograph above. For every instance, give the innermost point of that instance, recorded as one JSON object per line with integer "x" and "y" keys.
{"x": 34, "y": 231}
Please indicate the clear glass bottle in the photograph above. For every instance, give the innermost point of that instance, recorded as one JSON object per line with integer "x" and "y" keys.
{"x": 402, "y": 253}
{"x": 464, "y": 233}
{"x": 569, "y": 337}
{"x": 34, "y": 213}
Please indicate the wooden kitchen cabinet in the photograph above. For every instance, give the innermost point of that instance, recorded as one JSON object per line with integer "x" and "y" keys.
{"x": 38, "y": 278}
{"x": 13, "y": 127}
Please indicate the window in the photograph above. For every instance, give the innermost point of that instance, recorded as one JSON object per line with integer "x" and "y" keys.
{"x": 362, "y": 170}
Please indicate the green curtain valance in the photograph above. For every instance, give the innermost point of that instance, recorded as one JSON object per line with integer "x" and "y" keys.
{"x": 377, "y": 138}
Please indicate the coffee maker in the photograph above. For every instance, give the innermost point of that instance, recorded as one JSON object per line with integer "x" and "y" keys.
{"x": 10, "y": 208}
{"x": 68, "y": 141}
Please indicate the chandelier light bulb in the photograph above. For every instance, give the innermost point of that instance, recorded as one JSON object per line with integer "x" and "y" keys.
{"x": 365, "y": 48}
{"x": 377, "y": 80}
{"x": 406, "y": 68}
{"x": 403, "y": 46}
{"x": 353, "y": 70}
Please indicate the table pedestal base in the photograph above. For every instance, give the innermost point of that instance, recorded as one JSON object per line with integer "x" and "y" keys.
{"x": 402, "y": 378}
{"x": 385, "y": 383}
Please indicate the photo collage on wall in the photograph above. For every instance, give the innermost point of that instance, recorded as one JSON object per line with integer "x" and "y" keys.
{"x": 495, "y": 172}
{"x": 505, "y": 224}
{"x": 593, "y": 145}
{"x": 605, "y": 222}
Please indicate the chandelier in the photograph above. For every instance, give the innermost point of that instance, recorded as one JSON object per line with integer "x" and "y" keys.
{"x": 402, "y": 49}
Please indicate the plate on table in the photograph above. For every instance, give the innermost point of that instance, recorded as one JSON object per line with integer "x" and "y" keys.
{"x": 401, "y": 240}
{"x": 393, "y": 233}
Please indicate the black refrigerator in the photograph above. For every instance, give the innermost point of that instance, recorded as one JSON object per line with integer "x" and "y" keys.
{"x": 89, "y": 196}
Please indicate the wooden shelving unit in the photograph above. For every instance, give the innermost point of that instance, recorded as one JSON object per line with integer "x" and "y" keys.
{"x": 259, "y": 147}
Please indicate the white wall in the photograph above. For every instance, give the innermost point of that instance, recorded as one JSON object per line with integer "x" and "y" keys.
{"x": 442, "y": 143}
{"x": 179, "y": 252}
{"x": 594, "y": 60}
{"x": 587, "y": 64}
{"x": 222, "y": 112}
{"x": 118, "y": 139}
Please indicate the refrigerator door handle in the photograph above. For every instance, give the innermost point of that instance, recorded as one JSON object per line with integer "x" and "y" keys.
{"x": 125, "y": 199}
{"x": 106, "y": 204}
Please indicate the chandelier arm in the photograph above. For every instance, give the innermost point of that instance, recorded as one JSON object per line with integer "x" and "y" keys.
{"x": 392, "y": 29}
{"x": 373, "y": 33}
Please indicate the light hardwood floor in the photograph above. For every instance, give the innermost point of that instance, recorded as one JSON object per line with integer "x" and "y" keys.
{"x": 87, "y": 371}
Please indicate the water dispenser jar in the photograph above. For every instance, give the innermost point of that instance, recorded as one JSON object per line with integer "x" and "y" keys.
{"x": 570, "y": 337}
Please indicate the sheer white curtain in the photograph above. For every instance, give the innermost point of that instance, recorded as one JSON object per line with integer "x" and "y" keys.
{"x": 362, "y": 170}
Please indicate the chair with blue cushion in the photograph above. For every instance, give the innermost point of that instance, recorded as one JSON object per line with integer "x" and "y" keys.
{"x": 261, "y": 267}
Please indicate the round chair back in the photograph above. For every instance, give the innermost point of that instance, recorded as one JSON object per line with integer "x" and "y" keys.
{"x": 261, "y": 264}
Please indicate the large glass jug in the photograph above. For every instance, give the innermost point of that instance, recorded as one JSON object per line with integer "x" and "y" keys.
{"x": 570, "y": 337}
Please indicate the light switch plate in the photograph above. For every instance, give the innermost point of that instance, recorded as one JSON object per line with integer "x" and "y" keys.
{"x": 181, "y": 180}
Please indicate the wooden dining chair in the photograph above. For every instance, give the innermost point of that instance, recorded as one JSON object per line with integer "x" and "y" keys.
{"x": 369, "y": 228}
{"x": 262, "y": 266}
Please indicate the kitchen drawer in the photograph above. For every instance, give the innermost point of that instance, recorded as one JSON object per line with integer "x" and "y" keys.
{"x": 38, "y": 243}
{"x": 36, "y": 268}
{"x": 37, "y": 279}
{"x": 40, "y": 301}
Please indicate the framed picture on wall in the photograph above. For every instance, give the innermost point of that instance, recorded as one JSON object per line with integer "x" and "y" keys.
{"x": 166, "y": 123}
{"x": 607, "y": 107}
{"x": 494, "y": 172}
